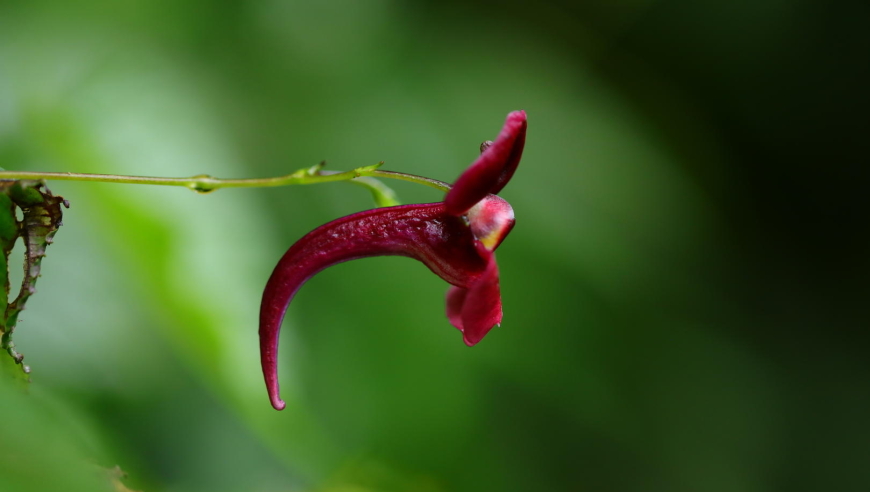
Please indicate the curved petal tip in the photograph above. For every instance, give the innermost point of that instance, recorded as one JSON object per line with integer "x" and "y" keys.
{"x": 277, "y": 402}
{"x": 270, "y": 371}
{"x": 493, "y": 169}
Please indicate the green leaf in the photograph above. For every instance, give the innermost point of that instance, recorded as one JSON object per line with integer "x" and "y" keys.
{"x": 41, "y": 217}
{"x": 8, "y": 235}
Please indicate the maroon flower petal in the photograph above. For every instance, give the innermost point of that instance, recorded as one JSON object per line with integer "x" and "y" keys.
{"x": 455, "y": 301}
{"x": 491, "y": 220}
{"x": 425, "y": 232}
{"x": 477, "y": 309}
{"x": 493, "y": 169}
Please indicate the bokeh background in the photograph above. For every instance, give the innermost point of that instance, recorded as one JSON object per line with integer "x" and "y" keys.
{"x": 685, "y": 291}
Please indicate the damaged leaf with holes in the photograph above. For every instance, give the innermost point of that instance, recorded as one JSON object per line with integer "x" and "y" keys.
{"x": 40, "y": 218}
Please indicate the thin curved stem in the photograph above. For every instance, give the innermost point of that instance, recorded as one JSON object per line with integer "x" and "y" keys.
{"x": 434, "y": 183}
{"x": 203, "y": 183}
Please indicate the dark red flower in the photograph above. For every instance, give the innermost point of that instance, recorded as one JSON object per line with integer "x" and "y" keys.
{"x": 456, "y": 239}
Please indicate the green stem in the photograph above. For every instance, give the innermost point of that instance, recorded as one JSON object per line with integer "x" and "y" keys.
{"x": 204, "y": 183}
{"x": 413, "y": 178}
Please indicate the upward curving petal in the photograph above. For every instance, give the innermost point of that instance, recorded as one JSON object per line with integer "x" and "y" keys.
{"x": 425, "y": 232}
{"x": 493, "y": 169}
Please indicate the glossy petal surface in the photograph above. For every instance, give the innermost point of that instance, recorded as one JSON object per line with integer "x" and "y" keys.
{"x": 477, "y": 309}
{"x": 425, "y": 232}
{"x": 493, "y": 169}
{"x": 491, "y": 220}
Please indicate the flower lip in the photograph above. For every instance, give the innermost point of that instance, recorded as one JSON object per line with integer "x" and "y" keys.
{"x": 476, "y": 309}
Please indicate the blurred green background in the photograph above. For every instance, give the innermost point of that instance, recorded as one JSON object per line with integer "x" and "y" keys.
{"x": 685, "y": 292}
